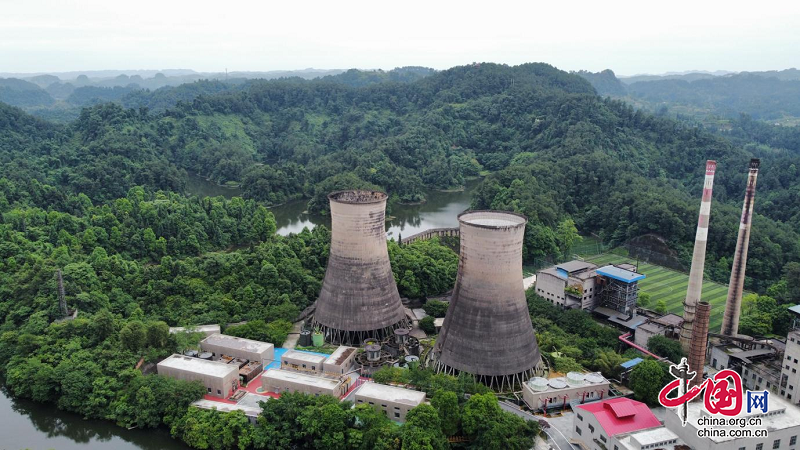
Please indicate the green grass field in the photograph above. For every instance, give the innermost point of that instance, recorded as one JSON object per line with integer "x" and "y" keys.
{"x": 670, "y": 286}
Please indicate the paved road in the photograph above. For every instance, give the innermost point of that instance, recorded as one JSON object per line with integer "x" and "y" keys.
{"x": 557, "y": 438}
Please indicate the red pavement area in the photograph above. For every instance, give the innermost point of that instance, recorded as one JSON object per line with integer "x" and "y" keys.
{"x": 359, "y": 382}
{"x": 252, "y": 388}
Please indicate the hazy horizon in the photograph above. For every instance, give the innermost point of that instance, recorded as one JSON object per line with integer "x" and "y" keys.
{"x": 630, "y": 38}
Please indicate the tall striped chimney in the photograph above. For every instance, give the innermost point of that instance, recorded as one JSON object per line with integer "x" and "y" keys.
{"x": 695, "y": 289}
{"x": 733, "y": 305}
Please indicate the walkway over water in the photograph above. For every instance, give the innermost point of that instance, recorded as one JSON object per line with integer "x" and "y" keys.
{"x": 433, "y": 232}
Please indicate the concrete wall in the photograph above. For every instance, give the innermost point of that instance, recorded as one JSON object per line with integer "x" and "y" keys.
{"x": 551, "y": 288}
{"x": 790, "y": 368}
{"x": 217, "y": 386}
{"x": 586, "y": 428}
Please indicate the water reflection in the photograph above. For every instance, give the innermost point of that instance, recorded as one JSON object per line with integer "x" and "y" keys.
{"x": 439, "y": 211}
{"x": 27, "y": 424}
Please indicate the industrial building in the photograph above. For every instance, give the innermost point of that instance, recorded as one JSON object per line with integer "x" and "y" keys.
{"x": 395, "y": 402}
{"x": 219, "y": 379}
{"x": 540, "y": 394}
{"x": 340, "y": 361}
{"x": 668, "y": 325}
{"x": 619, "y": 288}
{"x": 223, "y": 345}
{"x": 609, "y": 290}
{"x": 279, "y": 380}
{"x": 487, "y": 330}
{"x": 207, "y": 330}
{"x": 790, "y": 377}
{"x": 302, "y": 361}
{"x": 568, "y": 285}
{"x": 359, "y": 297}
{"x": 782, "y": 421}
{"x": 603, "y": 424}
{"x": 252, "y": 412}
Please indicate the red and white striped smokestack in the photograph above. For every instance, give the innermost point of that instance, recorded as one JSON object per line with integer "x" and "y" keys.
{"x": 733, "y": 305}
{"x": 695, "y": 289}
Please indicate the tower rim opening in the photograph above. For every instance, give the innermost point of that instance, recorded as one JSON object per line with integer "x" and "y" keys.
{"x": 357, "y": 196}
{"x": 512, "y": 220}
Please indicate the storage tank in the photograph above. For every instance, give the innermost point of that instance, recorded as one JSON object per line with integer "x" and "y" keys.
{"x": 487, "y": 330}
{"x": 359, "y": 298}
{"x": 538, "y": 384}
{"x": 305, "y": 338}
{"x": 575, "y": 378}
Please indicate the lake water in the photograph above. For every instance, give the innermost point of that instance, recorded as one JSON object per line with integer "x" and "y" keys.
{"x": 439, "y": 211}
{"x": 39, "y": 426}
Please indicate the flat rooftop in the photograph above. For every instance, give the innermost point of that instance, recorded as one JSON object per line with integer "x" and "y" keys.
{"x": 340, "y": 355}
{"x": 576, "y": 266}
{"x": 197, "y": 365}
{"x": 652, "y": 436}
{"x": 303, "y": 356}
{"x": 781, "y": 415}
{"x": 228, "y": 407}
{"x": 626, "y": 276}
{"x": 233, "y": 342}
{"x": 302, "y": 378}
{"x": 195, "y": 328}
{"x": 391, "y": 393}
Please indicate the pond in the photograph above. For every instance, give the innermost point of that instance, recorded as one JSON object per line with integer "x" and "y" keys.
{"x": 439, "y": 211}
{"x": 31, "y": 425}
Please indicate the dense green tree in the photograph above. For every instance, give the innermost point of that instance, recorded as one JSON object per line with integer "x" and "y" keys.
{"x": 647, "y": 379}
{"x": 668, "y": 348}
{"x": 446, "y": 405}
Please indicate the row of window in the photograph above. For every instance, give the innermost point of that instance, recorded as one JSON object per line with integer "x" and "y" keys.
{"x": 396, "y": 408}
{"x": 775, "y": 444}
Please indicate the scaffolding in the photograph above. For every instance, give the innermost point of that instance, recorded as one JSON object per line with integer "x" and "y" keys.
{"x": 620, "y": 296}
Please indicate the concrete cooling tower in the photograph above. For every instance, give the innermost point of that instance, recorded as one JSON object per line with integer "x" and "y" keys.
{"x": 359, "y": 298}
{"x": 487, "y": 331}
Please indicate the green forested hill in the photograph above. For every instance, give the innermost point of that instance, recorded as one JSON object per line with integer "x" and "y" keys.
{"x": 555, "y": 148}
{"x": 101, "y": 199}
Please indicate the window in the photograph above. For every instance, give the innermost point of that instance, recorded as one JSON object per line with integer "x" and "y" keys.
{"x": 776, "y": 443}
{"x": 580, "y": 417}
{"x": 616, "y": 448}
{"x": 209, "y": 390}
{"x": 760, "y": 379}
{"x": 795, "y": 360}
{"x": 793, "y": 440}
{"x": 742, "y": 448}
{"x": 760, "y": 447}
{"x": 789, "y": 397}
{"x": 219, "y": 392}
{"x": 591, "y": 429}
{"x": 714, "y": 363}
{"x": 383, "y": 405}
{"x": 794, "y": 370}
{"x": 602, "y": 438}
{"x": 304, "y": 366}
{"x": 577, "y": 430}
{"x": 396, "y": 414}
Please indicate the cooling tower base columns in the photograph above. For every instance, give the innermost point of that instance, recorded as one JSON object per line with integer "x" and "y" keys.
{"x": 355, "y": 338}
{"x": 499, "y": 383}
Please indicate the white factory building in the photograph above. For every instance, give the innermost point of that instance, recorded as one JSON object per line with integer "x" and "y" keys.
{"x": 280, "y": 381}
{"x": 782, "y": 422}
{"x": 394, "y": 402}
{"x": 218, "y": 378}
{"x": 302, "y": 361}
{"x": 223, "y": 344}
{"x": 568, "y": 285}
{"x": 542, "y": 393}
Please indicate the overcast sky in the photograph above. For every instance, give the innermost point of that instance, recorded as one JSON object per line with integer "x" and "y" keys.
{"x": 629, "y": 37}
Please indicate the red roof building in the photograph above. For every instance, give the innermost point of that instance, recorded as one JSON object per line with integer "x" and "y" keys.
{"x": 599, "y": 421}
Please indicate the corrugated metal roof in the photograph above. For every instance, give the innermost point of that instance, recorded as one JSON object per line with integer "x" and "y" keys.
{"x": 626, "y": 276}
{"x": 631, "y": 362}
{"x": 621, "y": 409}
{"x": 635, "y": 415}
